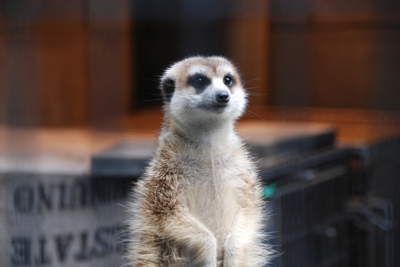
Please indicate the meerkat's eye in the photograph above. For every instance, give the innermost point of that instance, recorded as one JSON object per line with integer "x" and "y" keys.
{"x": 199, "y": 81}
{"x": 228, "y": 80}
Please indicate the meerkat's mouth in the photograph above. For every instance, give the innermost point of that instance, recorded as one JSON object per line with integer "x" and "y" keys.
{"x": 214, "y": 108}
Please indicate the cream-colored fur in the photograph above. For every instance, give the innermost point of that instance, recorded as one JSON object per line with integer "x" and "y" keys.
{"x": 199, "y": 201}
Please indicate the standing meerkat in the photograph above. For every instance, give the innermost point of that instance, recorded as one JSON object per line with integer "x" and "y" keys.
{"x": 199, "y": 201}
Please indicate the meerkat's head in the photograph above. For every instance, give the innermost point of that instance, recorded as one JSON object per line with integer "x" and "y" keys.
{"x": 203, "y": 89}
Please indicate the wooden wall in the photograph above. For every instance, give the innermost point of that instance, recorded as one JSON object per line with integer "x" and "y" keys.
{"x": 70, "y": 63}
{"x": 64, "y": 63}
{"x": 342, "y": 54}
{"x": 248, "y": 44}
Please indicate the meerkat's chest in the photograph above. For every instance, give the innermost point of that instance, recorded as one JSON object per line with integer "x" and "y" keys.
{"x": 212, "y": 196}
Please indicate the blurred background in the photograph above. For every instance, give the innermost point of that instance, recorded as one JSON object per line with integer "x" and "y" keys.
{"x": 78, "y": 76}
{"x": 83, "y": 63}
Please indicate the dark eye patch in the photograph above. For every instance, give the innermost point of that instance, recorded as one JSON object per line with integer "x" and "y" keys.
{"x": 199, "y": 81}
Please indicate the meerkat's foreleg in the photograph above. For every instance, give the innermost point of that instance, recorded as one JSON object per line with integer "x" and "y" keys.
{"x": 147, "y": 251}
{"x": 238, "y": 241}
{"x": 188, "y": 233}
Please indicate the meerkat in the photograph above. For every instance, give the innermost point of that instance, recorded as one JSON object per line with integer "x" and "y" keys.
{"x": 199, "y": 201}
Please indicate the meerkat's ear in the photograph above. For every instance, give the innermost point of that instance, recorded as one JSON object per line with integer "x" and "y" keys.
{"x": 167, "y": 88}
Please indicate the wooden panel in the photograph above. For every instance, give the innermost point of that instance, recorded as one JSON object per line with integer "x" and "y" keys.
{"x": 342, "y": 69}
{"x": 336, "y": 53}
{"x": 59, "y": 57}
{"x": 386, "y": 60}
{"x": 249, "y": 49}
{"x": 248, "y": 46}
{"x": 62, "y": 51}
{"x": 18, "y": 78}
{"x": 110, "y": 67}
{"x": 3, "y": 92}
{"x": 356, "y": 10}
{"x": 109, "y": 72}
{"x": 290, "y": 70}
{"x": 60, "y": 10}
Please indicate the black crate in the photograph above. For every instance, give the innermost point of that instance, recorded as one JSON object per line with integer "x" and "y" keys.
{"x": 125, "y": 159}
{"x": 376, "y": 186}
{"x": 308, "y": 208}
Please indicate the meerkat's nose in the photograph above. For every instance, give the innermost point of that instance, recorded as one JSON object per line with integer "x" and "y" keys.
{"x": 222, "y": 97}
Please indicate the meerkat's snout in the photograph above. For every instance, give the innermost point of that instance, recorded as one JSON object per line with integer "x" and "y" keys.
{"x": 220, "y": 92}
{"x": 222, "y": 97}
{"x": 216, "y": 90}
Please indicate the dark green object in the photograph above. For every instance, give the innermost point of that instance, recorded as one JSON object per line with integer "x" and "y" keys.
{"x": 269, "y": 190}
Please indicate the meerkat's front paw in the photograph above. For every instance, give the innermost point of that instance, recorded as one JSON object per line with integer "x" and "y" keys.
{"x": 233, "y": 253}
{"x": 205, "y": 252}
